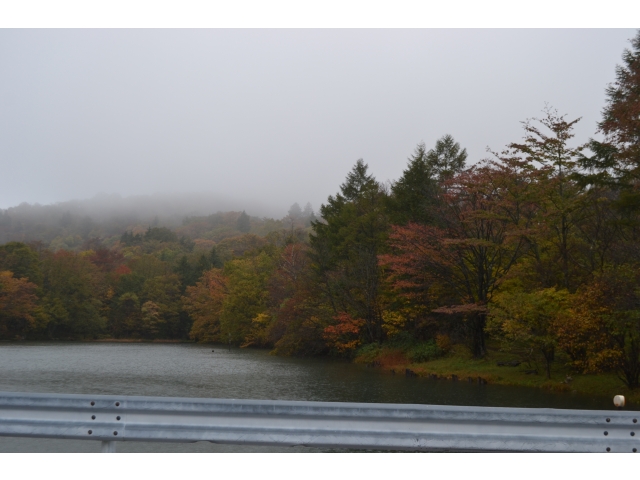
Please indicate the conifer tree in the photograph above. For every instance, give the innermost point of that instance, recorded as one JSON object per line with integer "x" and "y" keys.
{"x": 414, "y": 194}
{"x": 615, "y": 162}
{"x": 345, "y": 245}
{"x": 621, "y": 115}
{"x": 214, "y": 258}
{"x": 244, "y": 222}
{"x": 295, "y": 211}
{"x": 446, "y": 159}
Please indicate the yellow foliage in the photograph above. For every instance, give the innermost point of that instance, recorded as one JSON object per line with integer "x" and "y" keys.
{"x": 110, "y": 293}
{"x": 258, "y": 332}
{"x": 392, "y": 322}
{"x": 443, "y": 342}
{"x": 261, "y": 319}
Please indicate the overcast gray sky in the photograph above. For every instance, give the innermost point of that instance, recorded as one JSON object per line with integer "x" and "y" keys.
{"x": 275, "y": 116}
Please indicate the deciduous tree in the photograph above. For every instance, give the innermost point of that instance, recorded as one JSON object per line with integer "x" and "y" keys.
{"x": 527, "y": 321}
{"x": 18, "y": 306}
{"x": 487, "y": 216}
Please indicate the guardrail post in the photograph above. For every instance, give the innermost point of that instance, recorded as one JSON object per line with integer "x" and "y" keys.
{"x": 108, "y": 447}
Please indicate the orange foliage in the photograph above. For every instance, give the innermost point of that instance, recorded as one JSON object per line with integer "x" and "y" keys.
{"x": 203, "y": 302}
{"x": 106, "y": 260}
{"x": 392, "y": 359}
{"x": 17, "y": 305}
{"x": 344, "y": 336}
{"x": 122, "y": 270}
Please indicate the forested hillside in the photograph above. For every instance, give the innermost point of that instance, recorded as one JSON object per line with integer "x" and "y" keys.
{"x": 534, "y": 250}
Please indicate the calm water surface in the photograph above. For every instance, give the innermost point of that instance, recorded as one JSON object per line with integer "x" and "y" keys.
{"x": 188, "y": 370}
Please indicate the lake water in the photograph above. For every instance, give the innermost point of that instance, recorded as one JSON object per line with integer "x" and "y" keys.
{"x": 189, "y": 370}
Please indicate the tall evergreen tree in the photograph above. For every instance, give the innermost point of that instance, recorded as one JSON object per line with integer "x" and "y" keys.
{"x": 295, "y": 211}
{"x": 615, "y": 162}
{"x": 186, "y": 273}
{"x": 214, "y": 258}
{"x": 244, "y": 222}
{"x": 414, "y": 194}
{"x": 345, "y": 245}
{"x": 446, "y": 159}
{"x": 621, "y": 115}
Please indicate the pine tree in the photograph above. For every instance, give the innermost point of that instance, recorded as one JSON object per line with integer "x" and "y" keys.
{"x": 621, "y": 115}
{"x": 415, "y": 192}
{"x": 615, "y": 163}
{"x": 308, "y": 215}
{"x": 308, "y": 210}
{"x": 186, "y": 273}
{"x": 295, "y": 211}
{"x": 345, "y": 245}
{"x": 446, "y": 159}
{"x": 244, "y": 222}
{"x": 214, "y": 258}
{"x": 202, "y": 266}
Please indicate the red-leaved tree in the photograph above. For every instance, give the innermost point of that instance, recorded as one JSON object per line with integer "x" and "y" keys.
{"x": 485, "y": 219}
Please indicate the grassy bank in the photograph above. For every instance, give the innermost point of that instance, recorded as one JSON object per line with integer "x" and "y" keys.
{"x": 459, "y": 365}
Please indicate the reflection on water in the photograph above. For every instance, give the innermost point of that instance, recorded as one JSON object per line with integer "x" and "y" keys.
{"x": 188, "y": 370}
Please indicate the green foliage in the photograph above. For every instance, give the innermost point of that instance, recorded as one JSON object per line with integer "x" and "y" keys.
{"x": 423, "y": 352}
{"x": 214, "y": 259}
{"x": 368, "y": 353}
{"x": 18, "y": 306}
{"x": 402, "y": 341}
{"x": 128, "y": 239}
{"x": 415, "y": 194}
{"x": 247, "y": 295}
{"x": 345, "y": 245}
{"x": 160, "y": 234}
{"x": 446, "y": 159}
{"x": 21, "y": 260}
{"x": 130, "y": 282}
{"x": 527, "y": 321}
{"x": 73, "y": 288}
{"x": 244, "y": 222}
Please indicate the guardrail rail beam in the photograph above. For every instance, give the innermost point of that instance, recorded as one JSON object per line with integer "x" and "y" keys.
{"x": 112, "y": 419}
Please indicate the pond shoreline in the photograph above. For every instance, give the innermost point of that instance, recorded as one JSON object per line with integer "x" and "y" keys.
{"x": 459, "y": 366}
{"x": 136, "y": 340}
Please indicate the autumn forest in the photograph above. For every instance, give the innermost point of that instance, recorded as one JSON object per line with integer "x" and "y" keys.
{"x": 533, "y": 252}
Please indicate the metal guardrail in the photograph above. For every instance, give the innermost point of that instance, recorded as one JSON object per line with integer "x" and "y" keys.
{"x": 108, "y": 419}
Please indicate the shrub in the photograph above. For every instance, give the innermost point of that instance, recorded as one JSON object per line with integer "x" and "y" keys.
{"x": 444, "y": 343}
{"x": 401, "y": 340}
{"x": 423, "y": 352}
{"x": 368, "y": 353}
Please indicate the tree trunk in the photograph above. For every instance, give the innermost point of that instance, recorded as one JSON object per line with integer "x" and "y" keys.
{"x": 549, "y": 355}
{"x": 478, "y": 344}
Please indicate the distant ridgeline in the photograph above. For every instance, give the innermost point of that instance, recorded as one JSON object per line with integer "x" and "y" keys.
{"x": 70, "y": 225}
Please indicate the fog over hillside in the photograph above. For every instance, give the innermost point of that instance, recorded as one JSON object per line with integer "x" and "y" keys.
{"x": 168, "y": 207}
{"x": 107, "y": 217}
{"x": 272, "y": 116}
